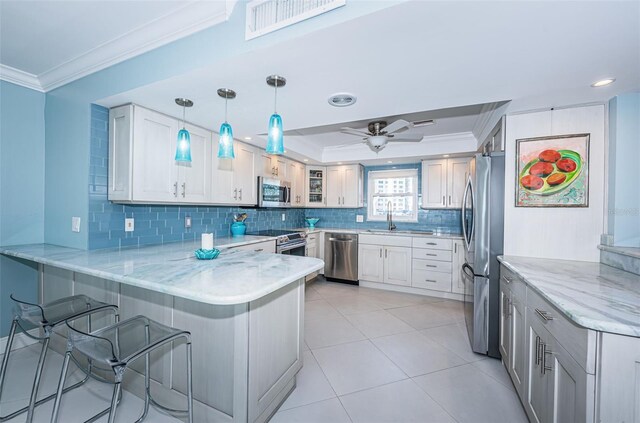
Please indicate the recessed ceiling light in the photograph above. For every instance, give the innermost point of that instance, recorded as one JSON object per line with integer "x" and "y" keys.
{"x": 247, "y": 138}
{"x": 306, "y": 160}
{"x": 603, "y": 82}
{"x": 342, "y": 99}
{"x": 389, "y": 161}
{"x": 445, "y": 155}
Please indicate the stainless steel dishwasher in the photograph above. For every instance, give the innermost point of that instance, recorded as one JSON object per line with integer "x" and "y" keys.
{"x": 341, "y": 257}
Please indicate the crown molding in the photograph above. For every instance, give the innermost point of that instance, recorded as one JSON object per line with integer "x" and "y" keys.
{"x": 18, "y": 77}
{"x": 189, "y": 19}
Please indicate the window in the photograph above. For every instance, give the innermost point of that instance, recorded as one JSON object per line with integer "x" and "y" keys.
{"x": 400, "y": 187}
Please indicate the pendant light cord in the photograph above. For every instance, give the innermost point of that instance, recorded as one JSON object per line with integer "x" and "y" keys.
{"x": 184, "y": 108}
{"x": 275, "y": 98}
{"x": 226, "y": 101}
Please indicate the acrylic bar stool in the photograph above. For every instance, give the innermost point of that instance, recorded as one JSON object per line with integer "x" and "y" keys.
{"x": 46, "y": 317}
{"x": 118, "y": 346}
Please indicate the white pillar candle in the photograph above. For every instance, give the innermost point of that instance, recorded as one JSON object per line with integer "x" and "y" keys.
{"x": 207, "y": 241}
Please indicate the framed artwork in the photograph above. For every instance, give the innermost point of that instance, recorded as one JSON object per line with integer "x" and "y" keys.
{"x": 553, "y": 171}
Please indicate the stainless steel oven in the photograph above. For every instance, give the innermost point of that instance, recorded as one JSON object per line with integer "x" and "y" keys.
{"x": 273, "y": 193}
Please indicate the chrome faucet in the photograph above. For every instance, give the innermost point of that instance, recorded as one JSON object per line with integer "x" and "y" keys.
{"x": 390, "y": 216}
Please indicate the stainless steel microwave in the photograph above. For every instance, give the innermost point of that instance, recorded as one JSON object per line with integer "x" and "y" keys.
{"x": 273, "y": 193}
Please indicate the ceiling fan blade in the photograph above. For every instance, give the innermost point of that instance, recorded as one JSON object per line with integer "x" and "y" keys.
{"x": 352, "y": 131}
{"x": 348, "y": 145}
{"x": 396, "y": 126}
{"x": 407, "y": 138}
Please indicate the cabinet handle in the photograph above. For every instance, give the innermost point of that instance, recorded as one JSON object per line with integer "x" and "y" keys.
{"x": 258, "y": 250}
{"x": 543, "y": 315}
{"x": 431, "y": 243}
{"x": 449, "y": 200}
{"x": 431, "y": 265}
{"x": 240, "y": 194}
{"x": 338, "y": 200}
{"x": 184, "y": 189}
{"x": 455, "y": 248}
{"x": 175, "y": 190}
{"x": 430, "y": 280}
{"x": 343, "y": 201}
{"x": 538, "y": 343}
{"x": 385, "y": 253}
{"x": 444, "y": 202}
{"x": 235, "y": 194}
{"x": 432, "y": 255}
{"x": 545, "y": 352}
{"x": 380, "y": 252}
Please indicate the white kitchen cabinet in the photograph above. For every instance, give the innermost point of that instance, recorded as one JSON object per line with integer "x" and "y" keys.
{"x": 295, "y": 175}
{"x": 316, "y": 186}
{"x": 272, "y": 166}
{"x": 142, "y": 168}
{"x": 233, "y": 181}
{"x": 370, "y": 262}
{"x": 397, "y": 265}
{"x": 345, "y": 186}
{"x": 384, "y": 259}
{"x": 457, "y": 282}
{"x": 505, "y": 323}
{"x": 443, "y": 182}
{"x": 517, "y": 365}
{"x": 311, "y": 250}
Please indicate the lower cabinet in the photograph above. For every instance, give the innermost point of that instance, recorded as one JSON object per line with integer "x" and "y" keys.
{"x": 397, "y": 265}
{"x": 312, "y": 250}
{"x": 384, "y": 259}
{"x": 457, "y": 282}
{"x": 564, "y": 372}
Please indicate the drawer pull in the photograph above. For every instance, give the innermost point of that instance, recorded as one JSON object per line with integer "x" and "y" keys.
{"x": 432, "y": 255}
{"x": 431, "y": 265}
{"x": 258, "y": 250}
{"x": 543, "y": 315}
{"x": 430, "y": 280}
{"x": 432, "y": 243}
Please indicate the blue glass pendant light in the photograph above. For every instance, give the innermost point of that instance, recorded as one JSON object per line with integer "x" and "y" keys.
{"x": 275, "y": 136}
{"x": 183, "y": 147}
{"x": 225, "y": 145}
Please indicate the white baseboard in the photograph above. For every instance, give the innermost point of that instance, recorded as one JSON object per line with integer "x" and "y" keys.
{"x": 412, "y": 290}
{"x": 19, "y": 341}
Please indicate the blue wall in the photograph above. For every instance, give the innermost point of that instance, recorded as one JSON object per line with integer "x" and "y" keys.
{"x": 624, "y": 156}
{"x": 22, "y": 163}
{"x": 441, "y": 220}
{"x": 158, "y": 224}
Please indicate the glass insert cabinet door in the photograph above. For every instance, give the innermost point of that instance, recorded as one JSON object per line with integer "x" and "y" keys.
{"x": 316, "y": 188}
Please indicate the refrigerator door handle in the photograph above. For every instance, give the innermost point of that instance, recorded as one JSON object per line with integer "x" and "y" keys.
{"x": 467, "y": 239}
{"x": 470, "y": 273}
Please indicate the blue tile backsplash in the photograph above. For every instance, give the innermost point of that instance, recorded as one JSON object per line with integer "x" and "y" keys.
{"x": 161, "y": 224}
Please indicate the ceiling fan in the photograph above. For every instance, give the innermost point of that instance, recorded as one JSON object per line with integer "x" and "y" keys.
{"x": 379, "y": 133}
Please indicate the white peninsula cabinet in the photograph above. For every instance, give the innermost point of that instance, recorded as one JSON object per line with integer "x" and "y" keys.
{"x": 443, "y": 182}
{"x": 564, "y": 372}
{"x": 142, "y": 168}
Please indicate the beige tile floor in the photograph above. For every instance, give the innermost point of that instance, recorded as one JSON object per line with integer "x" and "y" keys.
{"x": 370, "y": 356}
{"x": 378, "y": 356}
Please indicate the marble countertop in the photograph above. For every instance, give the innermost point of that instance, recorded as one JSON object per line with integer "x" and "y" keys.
{"x": 625, "y": 251}
{"x": 235, "y": 277}
{"x": 437, "y": 234}
{"x": 593, "y": 295}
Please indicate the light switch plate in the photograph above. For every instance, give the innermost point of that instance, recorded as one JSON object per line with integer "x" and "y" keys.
{"x": 284, "y": 217}
{"x": 359, "y": 218}
{"x": 128, "y": 224}
{"x": 187, "y": 221}
{"x": 75, "y": 224}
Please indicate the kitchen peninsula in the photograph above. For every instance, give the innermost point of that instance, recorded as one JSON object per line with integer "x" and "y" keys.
{"x": 244, "y": 309}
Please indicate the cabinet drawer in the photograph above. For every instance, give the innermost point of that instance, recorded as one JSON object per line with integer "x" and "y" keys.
{"x": 439, "y": 255}
{"x": 388, "y": 240}
{"x": 259, "y": 247}
{"x": 438, "y": 281}
{"x": 578, "y": 341}
{"x": 513, "y": 282}
{"x": 432, "y": 243}
{"x": 432, "y": 266}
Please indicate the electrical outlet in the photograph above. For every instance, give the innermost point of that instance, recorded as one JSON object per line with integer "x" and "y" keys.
{"x": 75, "y": 224}
{"x": 128, "y": 224}
{"x": 359, "y": 218}
{"x": 187, "y": 222}
{"x": 284, "y": 217}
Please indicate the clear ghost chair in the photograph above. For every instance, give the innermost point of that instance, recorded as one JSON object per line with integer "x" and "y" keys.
{"x": 117, "y": 347}
{"x": 47, "y": 317}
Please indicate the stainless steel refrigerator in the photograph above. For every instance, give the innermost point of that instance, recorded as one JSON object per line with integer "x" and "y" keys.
{"x": 483, "y": 233}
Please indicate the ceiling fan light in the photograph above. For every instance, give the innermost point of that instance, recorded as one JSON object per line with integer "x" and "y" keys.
{"x": 377, "y": 141}
{"x": 225, "y": 145}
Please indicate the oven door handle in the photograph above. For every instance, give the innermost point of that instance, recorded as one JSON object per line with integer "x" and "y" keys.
{"x": 291, "y": 246}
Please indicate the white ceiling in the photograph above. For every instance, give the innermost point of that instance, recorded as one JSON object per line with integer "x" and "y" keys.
{"x": 414, "y": 57}
{"x": 49, "y": 43}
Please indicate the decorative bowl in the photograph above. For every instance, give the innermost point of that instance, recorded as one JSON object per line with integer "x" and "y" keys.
{"x": 207, "y": 254}
{"x": 311, "y": 221}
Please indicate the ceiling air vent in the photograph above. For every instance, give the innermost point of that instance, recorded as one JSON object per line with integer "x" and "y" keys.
{"x": 265, "y": 16}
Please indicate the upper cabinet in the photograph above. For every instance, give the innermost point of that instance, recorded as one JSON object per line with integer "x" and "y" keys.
{"x": 443, "y": 182}
{"x": 234, "y": 181}
{"x": 148, "y": 140}
{"x": 316, "y": 184}
{"x": 272, "y": 166}
{"x": 345, "y": 186}
{"x": 295, "y": 175}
